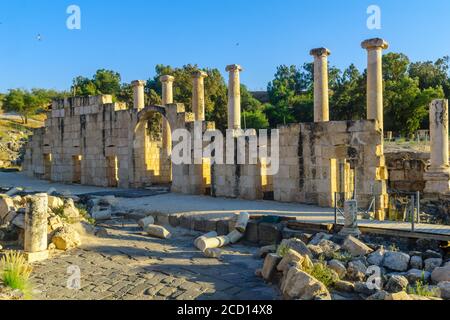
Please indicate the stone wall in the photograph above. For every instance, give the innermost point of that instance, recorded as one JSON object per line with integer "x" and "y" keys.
{"x": 406, "y": 170}
{"x": 92, "y": 141}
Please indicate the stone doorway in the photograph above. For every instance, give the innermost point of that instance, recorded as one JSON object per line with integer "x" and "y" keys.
{"x": 112, "y": 171}
{"x": 47, "y": 166}
{"x": 76, "y": 166}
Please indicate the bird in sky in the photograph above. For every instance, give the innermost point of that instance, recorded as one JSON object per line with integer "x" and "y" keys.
{"x": 39, "y": 37}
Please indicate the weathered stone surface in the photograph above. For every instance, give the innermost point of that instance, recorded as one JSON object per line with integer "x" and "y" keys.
{"x": 35, "y": 236}
{"x": 338, "y": 267}
{"x": 66, "y": 238}
{"x": 355, "y": 247}
{"x": 431, "y": 254}
{"x": 269, "y": 267}
{"x": 55, "y": 202}
{"x": 302, "y": 286}
{"x": 210, "y": 243}
{"x": 378, "y": 296}
{"x": 157, "y": 231}
{"x": 6, "y": 205}
{"x": 264, "y": 251}
{"x": 376, "y": 258}
{"x": 414, "y": 275}
{"x": 99, "y": 214}
{"x": 241, "y": 224}
{"x": 402, "y": 295}
{"x": 441, "y": 274}
{"x": 297, "y": 245}
{"x": 396, "y": 283}
{"x": 251, "y": 232}
{"x": 416, "y": 262}
{"x": 444, "y": 288}
{"x": 397, "y": 261}
{"x": 344, "y": 286}
{"x": 432, "y": 263}
{"x": 328, "y": 247}
{"x": 235, "y": 236}
{"x": 363, "y": 288}
{"x": 319, "y": 237}
{"x": 70, "y": 211}
{"x": 269, "y": 233}
{"x": 315, "y": 250}
{"x": 356, "y": 270}
{"x": 291, "y": 257}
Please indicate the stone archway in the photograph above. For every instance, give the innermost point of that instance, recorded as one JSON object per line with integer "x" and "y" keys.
{"x": 151, "y": 154}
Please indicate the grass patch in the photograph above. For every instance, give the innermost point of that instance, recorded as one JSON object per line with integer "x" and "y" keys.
{"x": 343, "y": 256}
{"x": 322, "y": 273}
{"x": 422, "y": 289}
{"x": 15, "y": 272}
{"x": 282, "y": 250}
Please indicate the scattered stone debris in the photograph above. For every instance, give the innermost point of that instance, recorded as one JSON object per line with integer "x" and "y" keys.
{"x": 332, "y": 267}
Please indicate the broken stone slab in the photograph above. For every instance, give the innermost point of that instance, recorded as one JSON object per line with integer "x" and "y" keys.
{"x": 441, "y": 274}
{"x": 356, "y": 247}
{"x": 302, "y": 286}
{"x": 338, "y": 267}
{"x": 319, "y": 237}
{"x": 269, "y": 268}
{"x": 315, "y": 250}
{"x": 297, "y": 245}
{"x": 363, "y": 288}
{"x": 235, "y": 236}
{"x": 399, "y": 296}
{"x": 241, "y": 224}
{"x": 378, "y": 296}
{"x": 157, "y": 231}
{"x": 444, "y": 288}
{"x": 376, "y": 258}
{"x": 397, "y": 261}
{"x": 264, "y": 251}
{"x": 146, "y": 221}
{"x": 70, "y": 211}
{"x": 356, "y": 270}
{"x": 19, "y": 221}
{"x": 66, "y": 238}
{"x": 211, "y": 234}
{"x": 416, "y": 262}
{"x": 415, "y": 275}
{"x": 431, "y": 254}
{"x": 328, "y": 248}
{"x": 108, "y": 201}
{"x": 55, "y": 202}
{"x": 432, "y": 263}
{"x": 396, "y": 283}
{"x": 211, "y": 243}
{"x": 6, "y": 206}
{"x": 291, "y": 257}
{"x": 344, "y": 286}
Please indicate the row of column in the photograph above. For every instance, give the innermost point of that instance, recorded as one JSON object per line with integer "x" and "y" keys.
{"x": 374, "y": 49}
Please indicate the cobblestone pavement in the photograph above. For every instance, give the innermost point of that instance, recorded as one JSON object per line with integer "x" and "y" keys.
{"x": 126, "y": 264}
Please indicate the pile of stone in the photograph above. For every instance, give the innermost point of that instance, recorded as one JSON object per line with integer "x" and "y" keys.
{"x": 64, "y": 221}
{"x": 12, "y": 148}
{"x": 211, "y": 242}
{"x": 354, "y": 270}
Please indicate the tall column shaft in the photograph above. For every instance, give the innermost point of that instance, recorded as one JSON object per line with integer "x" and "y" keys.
{"x": 138, "y": 94}
{"x": 374, "y": 49}
{"x": 167, "y": 98}
{"x": 234, "y": 96}
{"x": 439, "y": 135}
{"x": 321, "y": 100}
{"x": 198, "y": 95}
{"x": 36, "y": 224}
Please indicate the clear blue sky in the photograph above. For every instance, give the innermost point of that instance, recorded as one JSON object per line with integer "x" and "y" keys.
{"x": 133, "y": 36}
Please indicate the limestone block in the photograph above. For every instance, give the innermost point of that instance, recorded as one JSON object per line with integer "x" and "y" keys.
{"x": 157, "y": 231}
{"x": 269, "y": 268}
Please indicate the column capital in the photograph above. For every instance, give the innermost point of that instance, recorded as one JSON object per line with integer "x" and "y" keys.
{"x": 319, "y": 52}
{"x": 199, "y": 74}
{"x": 167, "y": 78}
{"x": 233, "y": 67}
{"x": 138, "y": 83}
{"x": 374, "y": 43}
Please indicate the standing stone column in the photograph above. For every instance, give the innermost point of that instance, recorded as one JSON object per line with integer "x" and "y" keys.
{"x": 198, "y": 95}
{"x": 375, "y": 49}
{"x": 138, "y": 94}
{"x": 438, "y": 175}
{"x": 321, "y": 101}
{"x": 234, "y": 96}
{"x": 350, "y": 219}
{"x": 167, "y": 98}
{"x": 35, "y": 239}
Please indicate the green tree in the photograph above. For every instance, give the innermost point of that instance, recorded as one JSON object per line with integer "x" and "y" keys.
{"x": 22, "y": 102}
{"x": 103, "y": 82}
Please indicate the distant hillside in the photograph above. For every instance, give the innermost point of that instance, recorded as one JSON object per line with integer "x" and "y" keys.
{"x": 13, "y": 135}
